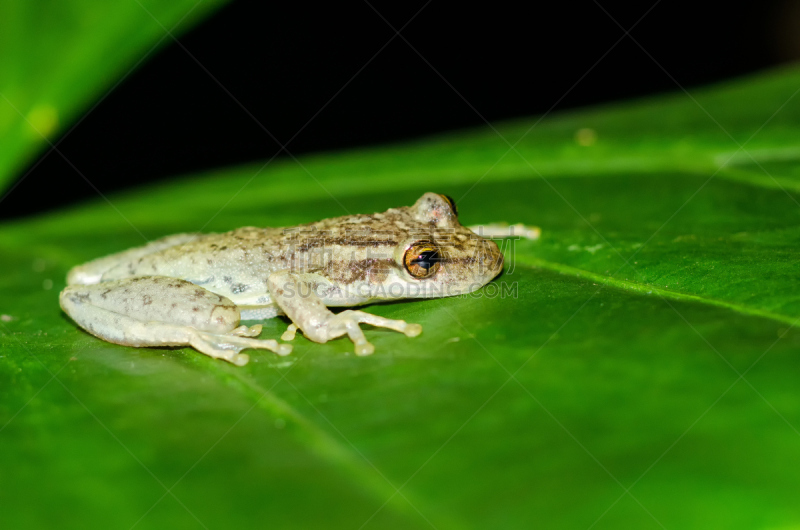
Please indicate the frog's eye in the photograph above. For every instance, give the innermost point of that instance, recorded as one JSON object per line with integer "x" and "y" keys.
{"x": 422, "y": 259}
{"x": 451, "y": 202}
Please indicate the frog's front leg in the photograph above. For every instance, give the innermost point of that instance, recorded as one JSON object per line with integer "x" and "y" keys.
{"x": 161, "y": 311}
{"x": 296, "y": 295}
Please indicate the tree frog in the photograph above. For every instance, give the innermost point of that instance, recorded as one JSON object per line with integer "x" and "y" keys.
{"x": 192, "y": 290}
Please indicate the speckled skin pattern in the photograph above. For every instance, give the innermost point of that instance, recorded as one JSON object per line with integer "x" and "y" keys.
{"x": 190, "y": 284}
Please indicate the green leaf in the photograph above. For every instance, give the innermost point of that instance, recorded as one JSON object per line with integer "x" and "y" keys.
{"x": 58, "y": 56}
{"x": 635, "y": 367}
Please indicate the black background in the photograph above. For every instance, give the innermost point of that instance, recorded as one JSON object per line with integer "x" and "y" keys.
{"x": 316, "y": 76}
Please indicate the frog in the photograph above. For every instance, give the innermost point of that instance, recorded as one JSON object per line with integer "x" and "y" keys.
{"x": 194, "y": 289}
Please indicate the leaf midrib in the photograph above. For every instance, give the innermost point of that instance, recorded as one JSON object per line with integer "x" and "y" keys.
{"x": 644, "y": 289}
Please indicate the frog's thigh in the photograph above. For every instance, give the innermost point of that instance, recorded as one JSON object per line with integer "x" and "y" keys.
{"x": 160, "y": 311}
{"x": 295, "y": 296}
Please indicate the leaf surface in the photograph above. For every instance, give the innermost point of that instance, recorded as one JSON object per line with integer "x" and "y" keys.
{"x": 635, "y": 367}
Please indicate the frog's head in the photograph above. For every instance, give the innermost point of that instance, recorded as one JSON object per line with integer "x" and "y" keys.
{"x": 436, "y": 256}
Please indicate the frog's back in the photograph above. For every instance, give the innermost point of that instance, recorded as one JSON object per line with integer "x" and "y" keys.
{"x": 230, "y": 263}
{"x": 234, "y": 264}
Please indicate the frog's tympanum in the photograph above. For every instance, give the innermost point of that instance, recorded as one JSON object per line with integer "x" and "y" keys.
{"x": 190, "y": 289}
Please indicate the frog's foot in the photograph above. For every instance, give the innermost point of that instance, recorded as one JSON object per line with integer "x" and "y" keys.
{"x": 318, "y": 323}
{"x": 228, "y": 347}
{"x": 350, "y": 320}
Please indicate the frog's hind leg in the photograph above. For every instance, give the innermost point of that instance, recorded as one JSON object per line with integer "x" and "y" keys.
{"x": 128, "y": 331}
{"x": 160, "y": 311}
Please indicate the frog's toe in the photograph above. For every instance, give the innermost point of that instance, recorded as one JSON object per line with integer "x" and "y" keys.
{"x": 412, "y": 330}
{"x": 283, "y": 349}
{"x": 290, "y": 333}
{"x": 241, "y": 359}
{"x": 364, "y": 348}
{"x": 244, "y": 331}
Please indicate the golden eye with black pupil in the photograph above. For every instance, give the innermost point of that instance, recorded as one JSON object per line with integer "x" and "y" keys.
{"x": 422, "y": 259}
{"x": 451, "y": 202}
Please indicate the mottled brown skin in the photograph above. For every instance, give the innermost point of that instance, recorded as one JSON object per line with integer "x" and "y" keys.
{"x": 345, "y": 261}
